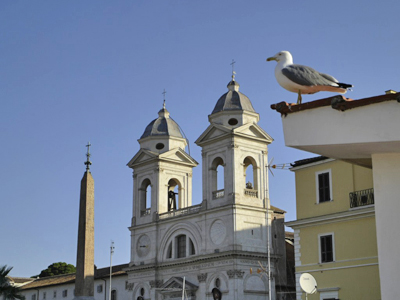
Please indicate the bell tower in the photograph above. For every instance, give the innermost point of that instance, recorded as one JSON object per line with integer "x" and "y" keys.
{"x": 234, "y": 153}
{"x": 162, "y": 171}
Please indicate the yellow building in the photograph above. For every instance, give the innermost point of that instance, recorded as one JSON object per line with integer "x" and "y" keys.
{"x": 335, "y": 231}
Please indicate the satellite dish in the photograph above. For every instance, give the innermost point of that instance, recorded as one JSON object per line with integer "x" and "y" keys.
{"x": 308, "y": 283}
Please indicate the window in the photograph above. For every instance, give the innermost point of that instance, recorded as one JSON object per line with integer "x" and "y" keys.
{"x": 323, "y": 182}
{"x": 33, "y": 297}
{"x": 145, "y": 197}
{"x": 44, "y": 295}
{"x": 326, "y": 245}
{"x": 250, "y": 173}
{"x": 169, "y": 251}
{"x": 233, "y": 122}
{"x": 100, "y": 288}
{"x": 174, "y": 196}
{"x": 218, "y": 178}
{"x": 55, "y": 294}
{"x": 114, "y": 295}
{"x": 329, "y": 295}
{"x": 65, "y": 293}
{"x": 250, "y": 177}
{"x": 192, "y": 250}
{"x": 181, "y": 246}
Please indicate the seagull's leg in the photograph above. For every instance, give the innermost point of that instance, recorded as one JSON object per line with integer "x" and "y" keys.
{"x": 299, "y": 98}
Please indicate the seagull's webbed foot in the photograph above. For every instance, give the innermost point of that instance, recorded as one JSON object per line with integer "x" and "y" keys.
{"x": 299, "y": 97}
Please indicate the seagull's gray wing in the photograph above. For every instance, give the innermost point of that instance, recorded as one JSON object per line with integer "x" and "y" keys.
{"x": 307, "y": 76}
{"x": 329, "y": 77}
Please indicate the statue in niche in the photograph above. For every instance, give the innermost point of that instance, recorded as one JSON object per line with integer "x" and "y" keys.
{"x": 171, "y": 200}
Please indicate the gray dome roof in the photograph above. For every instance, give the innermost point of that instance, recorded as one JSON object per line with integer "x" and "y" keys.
{"x": 163, "y": 125}
{"x": 233, "y": 100}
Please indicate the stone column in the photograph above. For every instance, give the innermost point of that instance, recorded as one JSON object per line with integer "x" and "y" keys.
{"x": 386, "y": 172}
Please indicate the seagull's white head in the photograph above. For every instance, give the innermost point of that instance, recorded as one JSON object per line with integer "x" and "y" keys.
{"x": 283, "y": 56}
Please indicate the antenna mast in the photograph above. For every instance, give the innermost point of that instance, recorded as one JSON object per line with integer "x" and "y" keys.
{"x": 111, "y": 254}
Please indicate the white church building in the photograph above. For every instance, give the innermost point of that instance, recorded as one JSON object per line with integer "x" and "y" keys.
{"x": 208, "y": 249}
{"x": 212, "y": 245}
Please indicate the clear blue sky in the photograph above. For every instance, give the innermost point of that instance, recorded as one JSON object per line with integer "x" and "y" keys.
{"x": 79, "y": 71}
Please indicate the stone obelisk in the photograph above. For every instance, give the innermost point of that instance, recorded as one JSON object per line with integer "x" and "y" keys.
{"x": 84, "y": 282}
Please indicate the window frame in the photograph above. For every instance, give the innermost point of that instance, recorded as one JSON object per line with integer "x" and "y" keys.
{"x": 320, "y": 236}
{"x": 181, "y": 246}
{"x": 113, "y": 294}
{"x": 329, "y": 295}
{"x": 317, "y": 188}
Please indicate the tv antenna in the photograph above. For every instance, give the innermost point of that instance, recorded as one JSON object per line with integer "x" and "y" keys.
{"x": 271, "y": 166}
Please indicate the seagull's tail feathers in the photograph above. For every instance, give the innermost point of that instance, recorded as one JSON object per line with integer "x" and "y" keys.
{"x": 344, "y": 85}
{"x": 340, "y": 88}
{"x": 336, "y": 83}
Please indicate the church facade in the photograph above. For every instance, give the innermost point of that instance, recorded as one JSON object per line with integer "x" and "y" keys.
{"x": 209, "y": 249}
{"x": 217, "y": 249}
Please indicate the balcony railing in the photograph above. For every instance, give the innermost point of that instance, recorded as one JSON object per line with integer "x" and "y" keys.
{"x": 218, "y": 194}
{"x": 251, "y": 193}
{"x": 362, "y": 198}
{"x": 145, "y": 212}
{"x": 184, "y": 211}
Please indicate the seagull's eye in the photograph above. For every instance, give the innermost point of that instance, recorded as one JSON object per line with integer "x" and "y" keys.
{"x": 280, "y": 53}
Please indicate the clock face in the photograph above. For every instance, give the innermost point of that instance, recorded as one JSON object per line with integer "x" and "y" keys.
{"x": 143, "y": 245}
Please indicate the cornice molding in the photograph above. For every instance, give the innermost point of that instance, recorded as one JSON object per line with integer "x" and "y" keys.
{"x": 333, "y": 218}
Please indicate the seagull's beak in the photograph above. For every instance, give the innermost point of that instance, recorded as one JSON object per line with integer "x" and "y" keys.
{"x": 271, "y": 58}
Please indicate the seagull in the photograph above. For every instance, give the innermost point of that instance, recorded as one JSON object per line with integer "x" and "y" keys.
{"x": 302, "y": 79}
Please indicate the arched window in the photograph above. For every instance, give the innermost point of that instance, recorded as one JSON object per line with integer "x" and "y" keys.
{"x": 113, "y": 295}
{"x": 218, "y": 178}
{"x": 181, "y": 246}
{"x": 250, "y": 177}
{"x": 169, "y": 250}
{"x": 145, "y": 197}
{"x": 174, "y": 195}
{"x": 192, "y": 250}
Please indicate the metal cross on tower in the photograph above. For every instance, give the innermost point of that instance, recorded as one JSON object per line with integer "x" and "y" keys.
{"x": 88, "y": 162}
{"x": 164, "y": 97}
{"x": 233, "y": 69}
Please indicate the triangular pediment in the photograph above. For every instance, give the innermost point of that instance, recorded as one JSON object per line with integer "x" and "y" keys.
{"x": 213, "y": 131}
{"x": 178, "y": 155}
{"x": 173, "y": 287}
{"x": 251, "y": 130}
{"x": 254, "y": 131}
{"x": 141, "y": 156}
